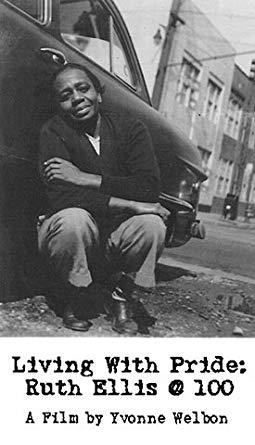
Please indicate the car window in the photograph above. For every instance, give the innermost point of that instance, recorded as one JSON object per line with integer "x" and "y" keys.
{"x": 35, "y": 8}
{"x": 90, "y": 28}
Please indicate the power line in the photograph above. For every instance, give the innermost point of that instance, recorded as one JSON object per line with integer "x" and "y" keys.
{"x": 229, "y": 15}
{"x": 194, "y": 33}
{"x": 222, "y": 56}
{"x": 206, "y": 13}
{"x": 210, "y": 57}
{"x": 200, "y": 38}
{"x": 204, "y": 37}
{"x": 242, "y": 43}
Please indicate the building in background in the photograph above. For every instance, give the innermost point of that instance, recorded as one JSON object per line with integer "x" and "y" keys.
{"x": 236, "y": 173}
{"x": 193, "y": 86}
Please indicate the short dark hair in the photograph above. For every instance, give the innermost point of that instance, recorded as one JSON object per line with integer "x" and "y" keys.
{"x": 94, "y": 79}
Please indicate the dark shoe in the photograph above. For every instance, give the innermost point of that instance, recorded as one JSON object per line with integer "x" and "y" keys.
{"x": 121, "y": 316}
{"x": 71, "y": 321}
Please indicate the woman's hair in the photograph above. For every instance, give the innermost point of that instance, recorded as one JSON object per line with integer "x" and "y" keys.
{"x": 94, "y": 79}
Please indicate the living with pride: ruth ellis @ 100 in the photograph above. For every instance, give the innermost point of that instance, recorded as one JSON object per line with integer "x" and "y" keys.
{"x": 124, "y": 366}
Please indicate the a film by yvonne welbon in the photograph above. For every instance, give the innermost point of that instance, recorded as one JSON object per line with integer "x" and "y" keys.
{"x": 127, "y": 221}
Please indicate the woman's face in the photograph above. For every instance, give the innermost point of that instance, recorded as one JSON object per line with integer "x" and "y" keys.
{"x": 76, "y": 95}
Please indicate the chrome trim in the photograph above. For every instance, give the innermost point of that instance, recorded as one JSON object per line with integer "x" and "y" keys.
{"x": 57, "y": 56}
{"x": 176, "y": 204}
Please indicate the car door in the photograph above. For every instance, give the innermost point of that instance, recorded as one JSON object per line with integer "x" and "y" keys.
{"x": 24, "y": 28}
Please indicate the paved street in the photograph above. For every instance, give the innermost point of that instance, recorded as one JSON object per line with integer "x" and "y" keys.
{"x": 227, "y": 248}
{"x": 204, "y": 289}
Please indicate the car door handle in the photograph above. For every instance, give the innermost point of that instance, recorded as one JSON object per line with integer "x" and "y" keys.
{"x": 53, "y": 55}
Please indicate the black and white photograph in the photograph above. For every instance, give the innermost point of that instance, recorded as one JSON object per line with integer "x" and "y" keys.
{"x": 128, "y": 202}
{"x": 127, "y": 217}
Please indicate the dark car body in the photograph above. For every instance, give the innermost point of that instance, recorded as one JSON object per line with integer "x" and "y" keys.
{"x": 35, "y": 34}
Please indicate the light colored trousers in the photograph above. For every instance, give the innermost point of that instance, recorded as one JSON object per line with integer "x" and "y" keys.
{"x": 70, "y": 241}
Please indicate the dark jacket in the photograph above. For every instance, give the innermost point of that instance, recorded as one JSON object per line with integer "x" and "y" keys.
{"x": 127, "y": 163}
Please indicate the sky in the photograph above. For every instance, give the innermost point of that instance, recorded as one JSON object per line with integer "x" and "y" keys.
{"x": 235, "y": 19}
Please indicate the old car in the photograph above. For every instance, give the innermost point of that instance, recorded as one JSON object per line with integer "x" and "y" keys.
{"x": 36, "y": 34}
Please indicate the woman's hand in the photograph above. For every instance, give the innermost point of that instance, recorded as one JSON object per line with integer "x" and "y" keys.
{"x": 141, "y": 208}
{"x": 57, "y": 168}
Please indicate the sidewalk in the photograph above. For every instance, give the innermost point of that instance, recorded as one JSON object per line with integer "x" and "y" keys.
{"x": 216, "y": 218}
{"x": 183, "y": 304}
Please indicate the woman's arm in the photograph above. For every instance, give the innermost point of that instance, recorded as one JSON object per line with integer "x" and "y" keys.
{"x": 141, "y": 184}
{"x": 60, "y": 169}
{"x": 63, "y": 194}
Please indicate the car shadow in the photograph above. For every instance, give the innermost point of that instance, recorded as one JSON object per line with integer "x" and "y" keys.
{"x": 166, "y": 273}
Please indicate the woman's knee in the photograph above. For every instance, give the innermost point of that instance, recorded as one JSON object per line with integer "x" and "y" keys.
{"x": 140, "y": 231}
{"x": 68, "y": 226}
{"x": 153, "y": 228}
{"x": 74, "y": 221}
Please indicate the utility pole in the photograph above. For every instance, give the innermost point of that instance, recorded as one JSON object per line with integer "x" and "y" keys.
{"x": 174, "y": 19}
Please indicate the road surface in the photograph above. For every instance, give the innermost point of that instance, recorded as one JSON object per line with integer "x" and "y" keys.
{"x": 228, "y": 249}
